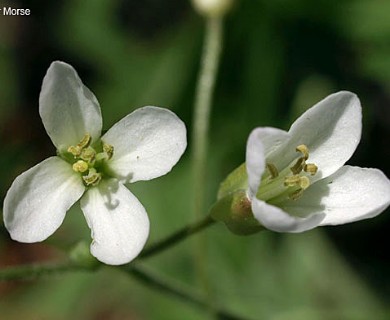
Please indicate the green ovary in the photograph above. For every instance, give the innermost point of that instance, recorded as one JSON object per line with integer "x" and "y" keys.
{"x": 290, "y": 183}
{"x": 87, "y": 161}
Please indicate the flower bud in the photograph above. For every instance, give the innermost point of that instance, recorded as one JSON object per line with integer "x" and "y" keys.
{"x": 213, "y": 8}
{"x": 81, "y": 256}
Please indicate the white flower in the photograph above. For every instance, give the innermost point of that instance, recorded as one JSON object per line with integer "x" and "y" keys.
{"x": 297, "y": 179}
{"x": 144, "y": 145}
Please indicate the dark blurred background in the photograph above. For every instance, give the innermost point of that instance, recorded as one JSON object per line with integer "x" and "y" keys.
{"x": 279, "y": 58}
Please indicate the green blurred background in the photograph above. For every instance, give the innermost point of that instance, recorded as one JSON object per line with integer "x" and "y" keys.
{"x": 279, "y": 58}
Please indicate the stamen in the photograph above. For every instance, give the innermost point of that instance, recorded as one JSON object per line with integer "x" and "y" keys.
{"x": 80, "y": 166}
{"x": 87, "y": 161}
{"x": 296, "y": 194}
{"x": 75, "y": 150}
{"x": 109, "y": 149}
{"x": 304, "y": 182}
{"x": 298, "y": 166}
{"x": 92, "y": 178}
{"x": 292, "y": 181}
{"x": 85, "y": 141}
{"x": 304, "y": 150}
{"x": 272, "y": 170}
{"x": 310, "y": 168}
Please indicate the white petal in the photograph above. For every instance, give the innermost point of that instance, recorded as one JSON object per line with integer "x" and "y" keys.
{"x": 276, "y": 219}
{"x": 331, "y": 130}
{"x": 147, "y": 144}
{"x": 261, "y": 143}
{"x": 67, "y": 108}
{"x": 349, "y": 195}
{"x": 119, "y": 223}
{"x": 38, "y": 199}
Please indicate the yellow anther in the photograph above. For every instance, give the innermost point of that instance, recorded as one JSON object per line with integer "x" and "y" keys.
{"x": 298, "y": 166}
{"x": 296, "y": 194}
{"x": 310, "y": 168}
{"x": 80, "y": 166}
{"x": 304, "y": 150}
{"x": 292, "y": 181}
{"x": 75, "y": 150}
{"x": 109, "y": 149}
{"x": 92, "y": 178}
{"x": 304, "y": 182}
{"x": 87, "y": 161}
{"x": 85, "y": 141}
{"x": 272, "y": 170}
{"x": 88, "y": 154}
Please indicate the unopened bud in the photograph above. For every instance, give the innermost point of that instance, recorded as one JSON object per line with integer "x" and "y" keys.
{"x": 213, "y": 8}
{"x": 81, "y": 256}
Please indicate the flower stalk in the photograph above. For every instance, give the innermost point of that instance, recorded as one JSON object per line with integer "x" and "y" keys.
{"x": 164, "y": 285}
{"x": 35, "y": 271}
{"x": 176, "y": 237}
{"x": 202, "y": 108}
{"x": 144, "y": 276}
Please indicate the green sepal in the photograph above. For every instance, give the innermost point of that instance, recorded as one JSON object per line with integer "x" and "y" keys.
{"x": 235, "y": 211}
{"x": 236, "y": 180}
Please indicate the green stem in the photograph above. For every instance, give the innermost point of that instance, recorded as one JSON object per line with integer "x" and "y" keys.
{"x": 203, "y": 98}
{"x": 176, "y": 237}
{"x": 34, "y": 271}
{"x": 39, "y": 270}
{"x": 176, "y": 290}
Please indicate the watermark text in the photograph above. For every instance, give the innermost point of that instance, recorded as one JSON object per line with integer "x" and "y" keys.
{"x": 9, "y": 11}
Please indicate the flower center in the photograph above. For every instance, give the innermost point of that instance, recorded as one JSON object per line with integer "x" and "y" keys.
{"x": 89, "y": 161}
{"x": 291, "y": 182}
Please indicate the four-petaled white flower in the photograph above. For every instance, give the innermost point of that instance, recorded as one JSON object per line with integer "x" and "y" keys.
{"x": 297, "y": 179}
{"x": 144, "y": 145}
